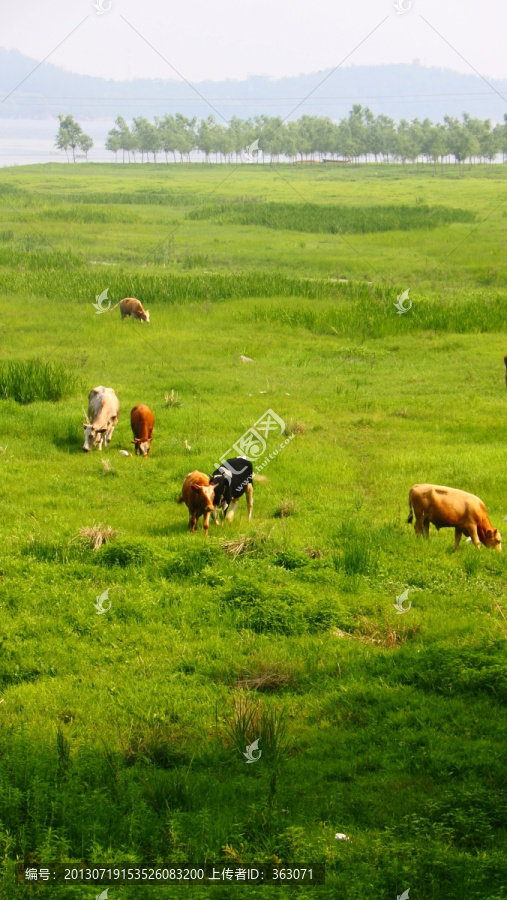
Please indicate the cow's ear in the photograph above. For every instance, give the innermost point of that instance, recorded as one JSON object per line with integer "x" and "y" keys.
{"x": 489, "y": 532}
{"x": 196, "y": 488}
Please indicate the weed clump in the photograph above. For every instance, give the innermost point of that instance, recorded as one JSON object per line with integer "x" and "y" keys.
{"x": 287, "y": 508}
{"x": 97, "y": 535}
{"x": 125, "y": 553}
{"x": 268, "y": 679}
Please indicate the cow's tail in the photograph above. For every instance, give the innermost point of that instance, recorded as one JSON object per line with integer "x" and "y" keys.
{"x": 113, "y": 307}
{"x": 260, "y": 478}
{"x": 410, "y": 508}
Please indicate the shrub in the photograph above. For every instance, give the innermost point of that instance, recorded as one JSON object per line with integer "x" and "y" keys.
{"x": 291, "y": 559}
{"x": 263, "y": 611}
{"x": 191, "y": 563}
{"x": 124, "y": 553}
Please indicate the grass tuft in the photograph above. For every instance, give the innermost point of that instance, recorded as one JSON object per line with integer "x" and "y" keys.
{"x": 287, "y": 508}
{"x": 31, "y": 380}
{"x": 97, "y": 535}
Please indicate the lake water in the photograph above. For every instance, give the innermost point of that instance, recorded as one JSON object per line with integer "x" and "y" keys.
{"x": 24, "y": 141}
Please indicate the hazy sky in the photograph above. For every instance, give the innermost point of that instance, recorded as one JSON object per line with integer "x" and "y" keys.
{"x": 220, "y": 39}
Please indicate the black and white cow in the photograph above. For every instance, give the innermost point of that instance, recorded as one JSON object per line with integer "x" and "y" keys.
{"x": 233, "y": 479}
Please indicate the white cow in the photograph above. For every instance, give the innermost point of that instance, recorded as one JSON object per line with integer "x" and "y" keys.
{"x": 103, "y": 412}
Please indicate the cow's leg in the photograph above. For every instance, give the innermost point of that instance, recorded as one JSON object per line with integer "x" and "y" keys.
{"x": 215, "y": 517}
{"x": 457, "y": 537}
{"x": 418, "y": 527}
{"x": 426, "y": 529}
{"x": 205, "y": 523}
{"x": 249, "y": 499}
{"x": 192, "y": 522}
{"x": 475, "y": 537}
{"x": 230, "y": 512}
{"x": 100, "y": 442}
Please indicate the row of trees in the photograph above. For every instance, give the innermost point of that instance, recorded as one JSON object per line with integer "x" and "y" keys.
{"x": 362, "y": 136}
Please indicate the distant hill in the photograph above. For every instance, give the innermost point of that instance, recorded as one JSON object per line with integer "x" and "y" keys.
{"x": 399, "y": 91}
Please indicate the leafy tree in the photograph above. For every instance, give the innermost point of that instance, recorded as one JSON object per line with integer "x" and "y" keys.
{"x": 357, "y": 130}
{"x": 461, "y": 141}
{"x": 435, "y": 145}
{"x": 70, "y": 134}
{"x": 85, "y": 144}
{"x": 168, "y": 135}
{"x": 185, "y": 135}
{"x": 121, "y": 138}
{"x": 345, "y": 145}
{"x": 147, "y": 137}
{"x": 113, "y": 142}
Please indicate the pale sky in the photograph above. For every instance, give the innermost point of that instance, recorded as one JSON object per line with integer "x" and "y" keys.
{"x": 217, "y": 39}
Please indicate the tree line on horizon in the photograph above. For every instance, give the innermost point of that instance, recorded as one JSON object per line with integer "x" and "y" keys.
{"x": 361, "y": 136}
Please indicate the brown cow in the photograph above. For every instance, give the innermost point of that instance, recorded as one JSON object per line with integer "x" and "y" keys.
{"x": 446, "y": 507}
{"x": 198, "y": 494}
{"x": 142, "y": 421}
{"x": 129, "y": 306}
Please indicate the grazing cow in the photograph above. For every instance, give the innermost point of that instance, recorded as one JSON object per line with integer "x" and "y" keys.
{"x": 233, "y": 479}
{"x": 197, "y": 493}
{"x": 103, "y": 412}
{"x": 446, "y": 507}
{"x": 129, "y": 306}
{"x": 142, "y": 421}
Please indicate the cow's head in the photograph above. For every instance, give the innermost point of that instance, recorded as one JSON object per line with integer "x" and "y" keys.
{"x": 222, "y": 492}
{"x": 142, "y": 447}
{"x": 146, "y": 315}
{"x": 493, "y": 538}
{"x": 92, "y": 436}
{"x": 207, "y": 493}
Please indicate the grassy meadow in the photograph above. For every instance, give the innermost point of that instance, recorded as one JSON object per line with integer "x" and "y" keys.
{"x": 122, "y": 734}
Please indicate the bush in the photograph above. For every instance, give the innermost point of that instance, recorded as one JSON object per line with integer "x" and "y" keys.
{"x": 263, "y": 611}
{"x": 124, "y": 553}
{"x": 191, "y": 563}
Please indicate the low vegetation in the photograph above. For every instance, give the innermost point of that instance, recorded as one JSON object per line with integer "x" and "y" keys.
{"x": 332, "y": 218}
{"x": 124, "y": 730}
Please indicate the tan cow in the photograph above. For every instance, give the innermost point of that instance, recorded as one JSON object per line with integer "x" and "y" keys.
{"x": 446, "y": 507}
{"x": 198, "y": 494}
{"x": 129, "y": 306}
{"x": 103, "y": 413}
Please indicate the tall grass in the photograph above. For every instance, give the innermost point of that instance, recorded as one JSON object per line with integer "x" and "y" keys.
{"x": 67, "y": 277}
{"x": 33, "y": 379}
{"x": 374, "y": 315}
{"x": 332, "y": 219}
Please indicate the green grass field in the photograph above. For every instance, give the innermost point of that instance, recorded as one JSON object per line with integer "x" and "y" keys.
{"x": 122, "y": 734}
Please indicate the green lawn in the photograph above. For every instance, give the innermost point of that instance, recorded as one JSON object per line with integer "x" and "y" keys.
{"x": 122, "y": 734}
